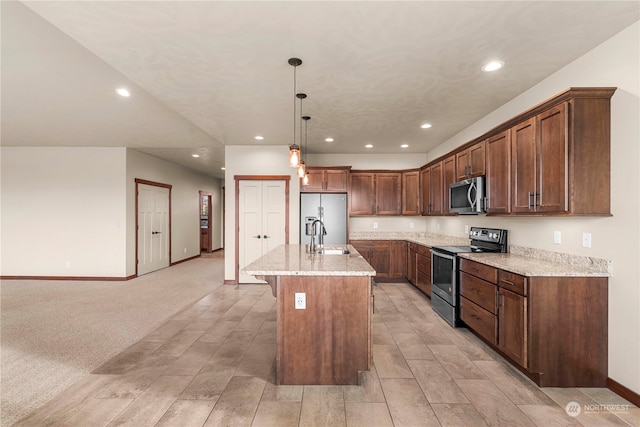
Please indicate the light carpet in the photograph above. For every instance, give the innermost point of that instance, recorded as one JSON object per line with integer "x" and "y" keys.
{"x": 54, "y": 332}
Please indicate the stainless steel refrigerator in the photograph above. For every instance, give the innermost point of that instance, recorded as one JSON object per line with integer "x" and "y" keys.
{"x": 331, "y": 209}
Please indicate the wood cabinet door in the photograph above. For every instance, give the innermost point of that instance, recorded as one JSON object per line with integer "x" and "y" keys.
{"x": 411, "y": 193}
{"x": 411, "y": 264}
{"x": 499, "y": 173}
{"x": 436, "y": 189}
{"x": 388, "y": 193}
{"x": 380, "y": 260}
{"x": 362, "y": 197}
{"x": 336, "y": 180}
{"x": 425, "y": 191}
{"x": 316, "y": 181}
{"x": 470, "y": 162}
{"x": 523, "y": 166}
{"x": 448, "y": 177}
{"x": 552, "y": 160}
{"x": 462, "y": 165}
{"x": 477, "y": 159}
{"x": 512, "y": 325}
{"x": 398, "y": 259}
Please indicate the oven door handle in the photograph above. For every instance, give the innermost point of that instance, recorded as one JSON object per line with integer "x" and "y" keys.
{"x": 442, "y": 255}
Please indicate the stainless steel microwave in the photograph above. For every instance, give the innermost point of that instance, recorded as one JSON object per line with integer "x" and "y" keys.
{"x": 467, "y": 197}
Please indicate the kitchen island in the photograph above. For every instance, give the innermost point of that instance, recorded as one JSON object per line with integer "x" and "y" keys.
{"x": 328, "y": 342}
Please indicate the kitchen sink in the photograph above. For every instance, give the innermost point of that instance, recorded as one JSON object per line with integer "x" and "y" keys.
{"x": 333, "y": 251}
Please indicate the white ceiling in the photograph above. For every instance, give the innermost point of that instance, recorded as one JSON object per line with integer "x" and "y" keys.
{"x": 207, "y": 74}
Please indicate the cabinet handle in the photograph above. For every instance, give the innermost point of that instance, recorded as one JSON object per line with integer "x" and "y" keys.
{"x": 473, "y": 316}
{"x": 508, "y": 282}
{"x": 265, "y": 236}
{"x": 529, "y": 200}
{"x": 475, "y": 291}
{"x": 258, "y": 236}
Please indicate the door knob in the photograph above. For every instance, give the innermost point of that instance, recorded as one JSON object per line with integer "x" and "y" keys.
{"x": 258, "y": 236}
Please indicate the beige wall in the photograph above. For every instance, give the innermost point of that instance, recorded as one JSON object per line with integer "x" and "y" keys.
{"x": 256, "y": 160}
{"x": 77, "y": 205}
{"x": 63, "y": 205}
{"x": 185, "y": 204}
{"x": 617, "y": 238}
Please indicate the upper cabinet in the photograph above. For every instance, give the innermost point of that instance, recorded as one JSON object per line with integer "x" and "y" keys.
{"x": 362, "y": 197}
{"x": 448, "y": 178}
{"x": 553, "y": 159}
{"x": 431, "y": 180}
{"x": 388, "y": 193}
{"x": 375, "y": 193}
{"x": 498, "y": 180}
{"x": 471, "y": 162}
{"x": 411, "y": 192}
{"x": 326, "y": 179}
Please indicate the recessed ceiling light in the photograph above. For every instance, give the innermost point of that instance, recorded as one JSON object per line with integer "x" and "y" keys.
{"x": 368, "y": 146}
{"x": 123, "y": 92}
{"x": 195, "y": 155}
{"x": 492, "y": 66}
{"x": 329, "y": 139}
{"x": 404, "y": 146}
{"x": 258, "y": 137}
{"x": 426, "y": 126}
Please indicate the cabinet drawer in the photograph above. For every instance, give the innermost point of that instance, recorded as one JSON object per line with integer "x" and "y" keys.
{"x": 513, "y": 282}
{"x": 486, "y": 272}
{"x": 479, "y": 291}
{"x": 479, "y": 319}
{"x": 423, "y": 250}
{"x": 413, "y": 247}
{"x": 424, "y": 264}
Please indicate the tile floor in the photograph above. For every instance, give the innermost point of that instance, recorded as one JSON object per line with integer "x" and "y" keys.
{"x": 213, "y": 364}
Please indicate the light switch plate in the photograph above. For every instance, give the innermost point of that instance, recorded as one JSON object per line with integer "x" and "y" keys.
{"x": 557, "y": 237}
{"x": 586, "y": 240}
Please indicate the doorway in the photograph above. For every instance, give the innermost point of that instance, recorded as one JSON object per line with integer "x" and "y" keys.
{"x": 206, "y": 222}
{"x": 153, "y": 225}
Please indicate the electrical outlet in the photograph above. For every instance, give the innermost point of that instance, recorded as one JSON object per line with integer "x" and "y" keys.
{"x": 67, "y": 264}
{"x": 411, "y": 225}
{"x": 557, "y": 237}
{"x": 185, "y": 250}
{"x": 301, "y": 301}
{"x": 375, "y": 225}
{"x": 586, "y": 240}
{"x": 466, "y": 229}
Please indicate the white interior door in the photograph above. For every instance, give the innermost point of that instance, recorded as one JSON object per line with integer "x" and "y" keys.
{"x": 261, "y": 220}
{"x": 153, "y": 228}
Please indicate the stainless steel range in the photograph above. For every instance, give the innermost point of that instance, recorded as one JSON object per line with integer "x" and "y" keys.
{"x": 445, "y": 298}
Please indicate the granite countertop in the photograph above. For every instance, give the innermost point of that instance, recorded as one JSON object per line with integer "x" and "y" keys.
{"x": 527, "y": 266}
{"x": 520, "y": 260}
{"x": 425, "y": 239}
{"x": 294, "y": 260}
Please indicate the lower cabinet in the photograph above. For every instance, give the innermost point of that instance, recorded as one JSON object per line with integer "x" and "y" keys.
{"x": 554, "y": 329}
{"x": 419, "y": 267}
{"x": 387, "y": 257}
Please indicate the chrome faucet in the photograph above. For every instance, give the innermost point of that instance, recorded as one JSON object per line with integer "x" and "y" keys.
{"x": 323, "y": 231}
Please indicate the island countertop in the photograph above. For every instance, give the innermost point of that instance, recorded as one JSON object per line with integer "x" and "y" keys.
{"x": 295, "y": 260}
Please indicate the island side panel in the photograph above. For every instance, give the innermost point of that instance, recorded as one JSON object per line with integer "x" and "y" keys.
{"x": 351, "y": 326}
{"x": 329, "y": 341}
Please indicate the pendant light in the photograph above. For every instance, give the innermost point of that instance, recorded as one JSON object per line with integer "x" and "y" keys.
{"x": 301, "y": 165}
{"x": 294, "y": 149}
{"x": 305, "y": 177}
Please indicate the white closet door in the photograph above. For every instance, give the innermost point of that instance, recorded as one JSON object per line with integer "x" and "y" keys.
{"x": 153, "y": 228}
{"x": 261, "y": 220}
